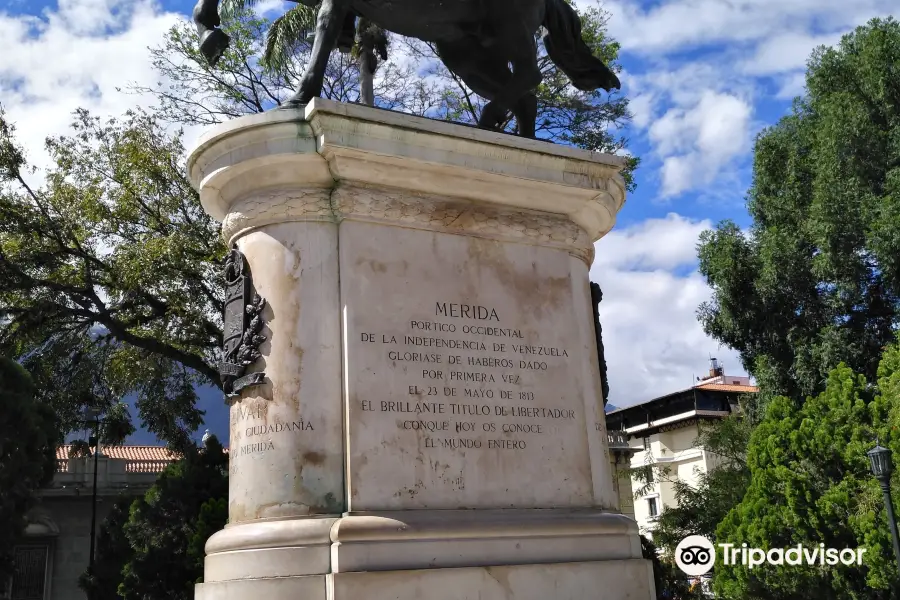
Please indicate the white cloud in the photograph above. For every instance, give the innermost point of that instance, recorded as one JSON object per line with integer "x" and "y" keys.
{"x": 787, "y": 51}
{"x": 708, "y": 64}
{"x": 792, "y": 86}
{"x": 653, "y": 244}
{"x": 677, "y": 174}
{"x": 272, "y": 8}
{"x": 642, "y": 108}
{"x": 696, "y": 143}
{"x": 654, "y": 343}
{"x": 681, "y": 24}
{"x": 87, "y": 17}
{"x": 75, "y": 56}
{"x": 698, "y": 119}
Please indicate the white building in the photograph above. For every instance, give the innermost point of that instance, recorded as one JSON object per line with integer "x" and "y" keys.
{"x": 663, "y": 432}
{"x": 56, "y": 547}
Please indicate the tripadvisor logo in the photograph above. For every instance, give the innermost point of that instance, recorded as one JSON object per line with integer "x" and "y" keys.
{"x": 695, "y": 555}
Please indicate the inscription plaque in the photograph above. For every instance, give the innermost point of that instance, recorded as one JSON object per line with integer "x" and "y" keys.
{"x": 463, "y": 385}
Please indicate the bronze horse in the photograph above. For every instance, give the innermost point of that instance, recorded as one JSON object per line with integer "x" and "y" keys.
{"x": 489, "y": 44}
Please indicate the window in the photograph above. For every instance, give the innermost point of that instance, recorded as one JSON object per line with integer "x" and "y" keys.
{"x": 652, "y": 508}
{"x": 647, "y": 443}
{"x": 30, "y": 569}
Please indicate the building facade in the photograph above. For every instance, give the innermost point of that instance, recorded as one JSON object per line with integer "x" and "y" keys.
{"x": 620, "y": 453}
{"x": 663, "y": 433}
{"x": 55, "y": 549}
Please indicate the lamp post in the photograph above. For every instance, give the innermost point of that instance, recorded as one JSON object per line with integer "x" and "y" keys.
{"x": 92, "y": 416}
{"x": 880, "y": 459}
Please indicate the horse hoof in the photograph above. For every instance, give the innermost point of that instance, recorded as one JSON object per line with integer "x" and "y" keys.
{"x": 293, "y": 105}
{"x": 494, "y": 128}
{"x": 213, "y": 44}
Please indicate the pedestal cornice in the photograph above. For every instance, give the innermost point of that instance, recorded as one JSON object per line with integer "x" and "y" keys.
{"x": 416, "y": 172}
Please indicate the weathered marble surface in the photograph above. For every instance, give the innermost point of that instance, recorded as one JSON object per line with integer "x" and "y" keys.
{"x": 384, "y": 245}
{"x": 286, "y": 455}
{"x": 609, "y": 580}
{"x": 462, "y": 362}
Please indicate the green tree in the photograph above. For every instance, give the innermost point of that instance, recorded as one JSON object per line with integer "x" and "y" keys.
{"x": 815, "y": 280}
{"x": 213, "y": 516}
{"x": 262, "y": 68}
{"x": 669, "y": 581}
{"x": 109, "y": 276}
{"x": 167, "y": 528}
{"x": 810, "y": 484}
{"x": 28, "y": 440}
{"x": 113, "y": 553}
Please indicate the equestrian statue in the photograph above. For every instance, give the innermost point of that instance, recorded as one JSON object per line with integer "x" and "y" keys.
{"x": 489, "y": 44}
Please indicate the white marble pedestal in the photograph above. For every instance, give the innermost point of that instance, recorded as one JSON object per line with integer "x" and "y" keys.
{"x": 431, "y": 425}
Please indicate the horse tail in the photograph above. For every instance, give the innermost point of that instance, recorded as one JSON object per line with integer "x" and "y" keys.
{"x": 568, "y": 51}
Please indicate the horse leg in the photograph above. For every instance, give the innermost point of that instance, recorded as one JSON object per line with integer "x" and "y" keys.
{"x": 492, "y": 116}
{"x": 347, "y": 37}
{"x": 213, "y": 41}
{"x": 524, "y": 108}
{"x": 484, "y": 72}
{"x": 328, "y": 28}
{"x": 526, "y": 76}
{"x": 526, "y": 114}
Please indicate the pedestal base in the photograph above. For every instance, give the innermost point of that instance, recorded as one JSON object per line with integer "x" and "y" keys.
{"x": 630, "y": 579}
{"x": 438, "y": 555}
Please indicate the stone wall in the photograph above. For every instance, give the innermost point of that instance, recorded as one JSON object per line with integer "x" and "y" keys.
{"x": 70, "y": 550}
{"x": 62, "y": 519}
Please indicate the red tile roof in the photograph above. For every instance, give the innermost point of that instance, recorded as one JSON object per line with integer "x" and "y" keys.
{"x": 728, "y": 387}
{"x": 139, "y": 459}
{"x": 158, "y": 453}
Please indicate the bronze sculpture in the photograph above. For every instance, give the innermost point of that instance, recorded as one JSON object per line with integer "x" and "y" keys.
{"x": 489, "y": 44}
{"x": 242, "y": 317}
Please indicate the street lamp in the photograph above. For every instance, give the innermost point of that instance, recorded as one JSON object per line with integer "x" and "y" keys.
{"x": 880, "y": 459}
{"x": 92, "y": 416}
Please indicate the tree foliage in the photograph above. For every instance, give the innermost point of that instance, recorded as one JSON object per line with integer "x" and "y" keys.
{"x": 812, "y": 283}
{"x": 109, "y": 276}
{"x": 245, "y": 82}
{"x": 212, "y": 517}
{"x": 167, "y": 528}
{"x": 28, "y": 439}
{"x": 810, "y": 484}
{"x": 153, "y": 546}
{"x": 815, "y": 280}
{"x": 669, "y": 581}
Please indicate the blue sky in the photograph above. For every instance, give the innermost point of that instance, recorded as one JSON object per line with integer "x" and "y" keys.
{"x": 704, "y": 77}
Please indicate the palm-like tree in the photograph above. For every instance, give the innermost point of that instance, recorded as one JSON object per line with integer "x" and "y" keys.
{"x": 290, "y": 30}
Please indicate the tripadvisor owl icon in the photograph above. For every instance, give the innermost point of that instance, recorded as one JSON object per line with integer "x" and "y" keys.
{"x": 695, "y": 555}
